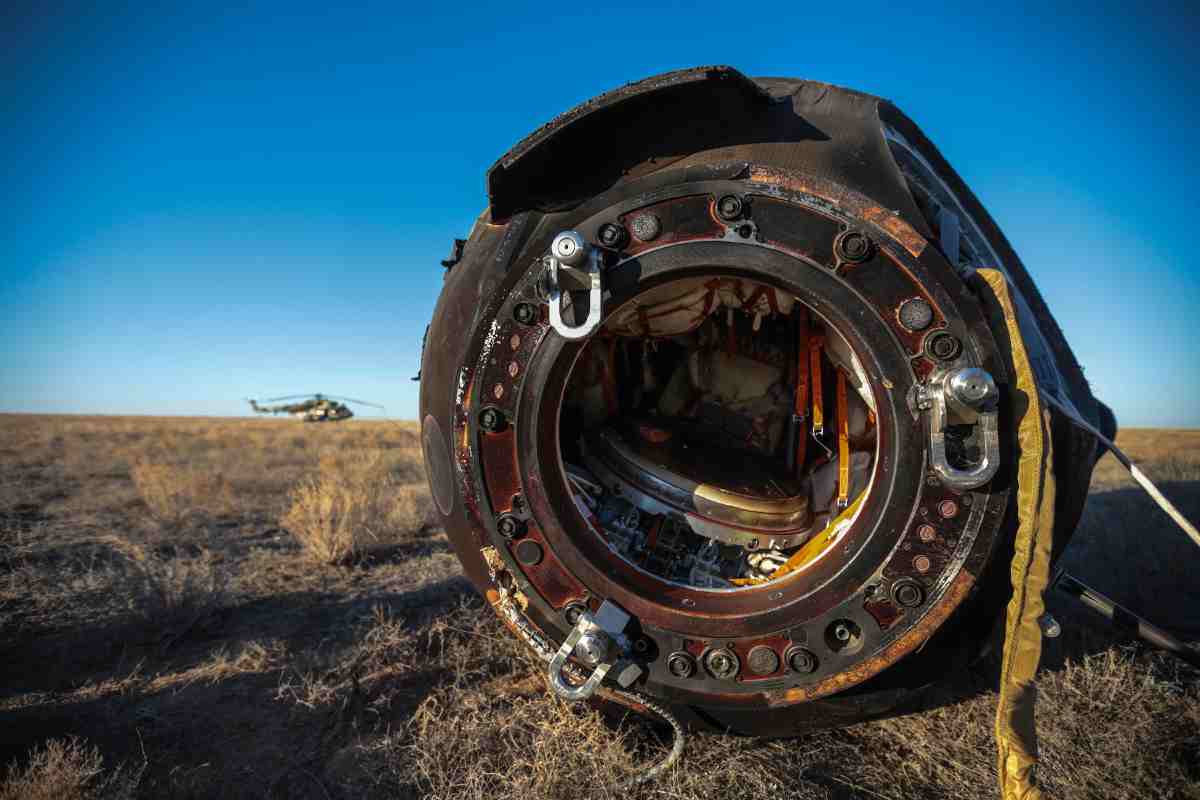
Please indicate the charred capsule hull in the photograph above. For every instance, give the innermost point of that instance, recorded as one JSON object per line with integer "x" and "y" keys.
{"x": 712, "y": 383}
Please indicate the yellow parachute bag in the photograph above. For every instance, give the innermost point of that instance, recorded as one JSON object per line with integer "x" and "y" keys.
{"x": 1016, "y": 734}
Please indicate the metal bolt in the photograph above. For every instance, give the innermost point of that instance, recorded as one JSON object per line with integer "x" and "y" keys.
{"x": 915, "y": 314}
{"x": 922, "y": 564}
{"x": 762, "y": 660}
{"x": 510, "y": 527}
{"x": 972, "y": 386}
{"x": 570, "y": 248}
{"x": 926, "y": 533}
{"x": 729, "y": 207}
{"x": 853, "y": 246}
{"x": 942, "y": 346}
{"x": 721, "y": 664}
{"x": 948, "y": 509}
{"x": 491, "y": 420}
{"x": 841, "y": 632}
{"x": 681, "y": 664}
{"x": 646, "y": 227}
{"x": 745, "y": 231}
{"x": 612, "y": 235}
{"x": 525, "y": 313}
{"x": 592, "y": 648}
{"x": 801, "y": 660}
{"x": 907, "y": 593}
{"x": 641, "y": 645}
{"x": 573, "y": 612}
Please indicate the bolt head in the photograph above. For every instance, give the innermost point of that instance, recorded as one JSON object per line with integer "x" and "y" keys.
{"x": 573, "y": 612}
{"x": 908, "y": 593}
{"x": 801, "y": 660}
{"x": 509, "y": 527}
{"x": 525, "y": 313}
{"x": 491, "y": 420}
{"x": 570, "y": 248}
{"x": 612, "y": 235}
{"x": 854, "y": 246}
{"x": 942, "y": 346}
{"x": 722, "y": 664}
{"x": 729, "y": 207}
{"x": 972, "y": 386}
{"x": 681, "y": 664}
{"x": 592, "y": 648}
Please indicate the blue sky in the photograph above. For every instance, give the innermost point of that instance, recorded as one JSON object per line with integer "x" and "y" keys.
{"x": 204, "y": 204}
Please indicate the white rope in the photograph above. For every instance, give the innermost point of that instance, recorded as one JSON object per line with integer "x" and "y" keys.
{"x": 1165, "y": 504}
{"x": 1139, "y": 476}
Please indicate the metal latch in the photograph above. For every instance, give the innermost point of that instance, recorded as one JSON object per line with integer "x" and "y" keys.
{"x": 570, "y": 253}
{"x": 599, "y": 642}
{"x": 965, "y": 395}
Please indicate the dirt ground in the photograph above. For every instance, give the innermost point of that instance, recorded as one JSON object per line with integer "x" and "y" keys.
{"x": 261, "y": 608}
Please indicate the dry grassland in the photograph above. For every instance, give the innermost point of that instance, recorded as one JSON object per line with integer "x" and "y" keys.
{"x": 195, "y": 608}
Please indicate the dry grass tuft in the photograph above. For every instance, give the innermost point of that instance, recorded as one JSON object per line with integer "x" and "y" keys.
{"x": 170, "y": 595}
{"x": 173, "y": 492}
{"x": 352, "y": 500}
{"x": 67, "y": 769}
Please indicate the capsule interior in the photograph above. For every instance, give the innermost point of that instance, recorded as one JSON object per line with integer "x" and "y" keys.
{"x": 718, "y": 433}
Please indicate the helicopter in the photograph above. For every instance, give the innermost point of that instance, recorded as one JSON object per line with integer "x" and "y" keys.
{"x": 311, "y": 407}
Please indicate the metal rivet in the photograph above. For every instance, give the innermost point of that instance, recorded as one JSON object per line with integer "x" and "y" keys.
{"x": 646, "y": 227}
{"x": 922, "y": 563}
{"x": 762, "y": 660}
{"x": 926, "y": 533}
{"x": 915, "y": 314}
{"x": 529, "y": 552}
{"x": 948, "y": 509}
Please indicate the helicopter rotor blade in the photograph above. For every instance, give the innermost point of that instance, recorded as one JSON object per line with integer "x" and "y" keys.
{"x": 352, "y": 400}
{"x": 287, "y": 397}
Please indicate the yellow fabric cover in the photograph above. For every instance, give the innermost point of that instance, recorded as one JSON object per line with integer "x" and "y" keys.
{"x": 1016, "y": 735}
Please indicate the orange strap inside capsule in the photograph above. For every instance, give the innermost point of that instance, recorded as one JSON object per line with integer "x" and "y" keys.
{"x": 815, "y": 345}
{"x": 843, "y": 423}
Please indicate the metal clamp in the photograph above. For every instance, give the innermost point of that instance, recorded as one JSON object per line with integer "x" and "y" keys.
{"x": 598, "y": 641}
{"x": 570, "y": 252}
{"x": 966, "y": 395}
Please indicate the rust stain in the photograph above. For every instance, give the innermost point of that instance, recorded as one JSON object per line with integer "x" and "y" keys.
{"x": 900, "y": 230}
{"x": 795, "y": 182}
{"x": 904, "y": 645}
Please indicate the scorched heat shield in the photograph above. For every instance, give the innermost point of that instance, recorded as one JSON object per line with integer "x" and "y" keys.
{"x": 716, "y": 407}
